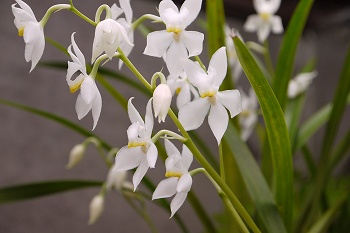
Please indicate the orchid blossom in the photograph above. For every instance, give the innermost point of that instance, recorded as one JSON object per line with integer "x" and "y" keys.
{"x": 140, "y": 151}
{"x": 161, "y": 101}
{"x": 175, "y": 43}
{"x": 31, "y": 30}
{"x": 182, "y": 88}
{"x": 300, "y": 83}
{"x": 89, "y": 97}
{"x": 248, "y": 117}
{"x": 126, "y": 22}
{"x": 179, "y": 181}
{"x": 192, "y": 114}
{"x": 265, "y": 20}
{"x": 109, "y": 35}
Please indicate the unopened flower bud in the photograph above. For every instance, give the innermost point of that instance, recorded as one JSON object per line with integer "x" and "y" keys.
{"x": 76, "y": 154}
{"x": 161, "y": 101}
{"x": 96, "y": 208}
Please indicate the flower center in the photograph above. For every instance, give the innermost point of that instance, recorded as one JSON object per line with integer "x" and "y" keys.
{"x": 173, "y": 174}
{"x": 136, "y": 144}
{"x": 75, "y": 86}
{"x": 177, "y": 91}
{"x": 21, "y": 31}
{"x": 211, "y": 96}
{"x": 265, "y": 16}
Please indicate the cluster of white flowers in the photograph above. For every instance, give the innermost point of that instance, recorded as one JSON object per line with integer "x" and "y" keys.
{"x": 197, "y": 88}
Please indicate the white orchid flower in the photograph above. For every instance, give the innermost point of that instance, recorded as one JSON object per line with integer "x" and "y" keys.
{"x": 89, "y": 97}
{"x": 248, "y": 117}
{"x": 96, "y": 208}
{"x": 161, "y": 101}
{"x": 179, "y": 181}
{"x": 31, "y": 30}
{"x": 109, "y": 35}
{"x": 211, "y": 100}
{"x": 126, "y": 22}
{"x": 175, "y": 43}
{"x": 140, "y": 151}
{"x": 117, "y": 179}
{"x": 300, "y": 83}
{"x": 265, "y": 20}
{"x": 182, "y": 88}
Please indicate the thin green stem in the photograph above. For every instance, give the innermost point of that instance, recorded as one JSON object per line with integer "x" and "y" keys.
{"x": 81, "y": 15}
{"x": 51, "y": 10}
{"x": 154, "y": 78}
{"x": 133, "y": 69}
{"x": 97, "y": 64}
{"x": 99, "y": 11}
{"x": 143, "y": 18}
{"x": 222, "y": 165}
{"x": 200, "y": 63}
{"x": 169, "y": 133}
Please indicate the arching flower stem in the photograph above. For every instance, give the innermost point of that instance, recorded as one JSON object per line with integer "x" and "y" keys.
{"x": 167, "y": 133}
{"x": 51, "y": 10}
{"x": 100, "y": 150}
{"x": 154, "y": 18}
{"x": 157, "y": 75}
{"x": 99, "y": 11}
{"x": 98, "y": 62}
{"x": 200, "y": 63}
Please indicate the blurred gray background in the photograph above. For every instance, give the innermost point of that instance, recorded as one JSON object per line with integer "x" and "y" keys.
{"x": 34, "y": 149}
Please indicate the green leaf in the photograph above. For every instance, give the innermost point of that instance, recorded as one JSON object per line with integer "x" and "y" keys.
{"x": 276, "y": 131}
{"x": 255, "y": 182}
{"x": 58, "y": 119}
{"x": 286, "y": 57}
{"x": 33, "y": 190}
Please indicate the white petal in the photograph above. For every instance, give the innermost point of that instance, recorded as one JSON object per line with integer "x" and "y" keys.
{"x": 149, "y": 119}
{"x": 165, "y": 188}
{"x": 157, "y": 43}
{"x": 125, "y": 5}
{"x": 252, "y": 22}
{"x": 276, "y": 24}
{"x": 177, "y": 202}
{"x": 115, "y": 178}
{"x": 184, "y": 184}
{"x": 263, "y": 31}
{"x": 116, "y": 11}
{"x": 192, "y": 114}
{"x": 152, "y": 155}
{"x": 170, "y": 148}
{"x": 140, "y": 173}
{"x": 134, "y": 115}
{"x": 26, "y": 8}
{"x": 231, "y": 99}
{"x": 38, "y": 51}
{"x": 193, "y": 42}
{"x": 88, "y": 90}
{"x": 81, "y": 107}
{"x": 194, "y": 7}
{"x": 164, "y": 5}
{"x": 187, "y": 157}
{"x": 195, "y": 74}
{"x": 218, "y": 120}
{"x": 184, "y": 96}
{"x": 96, "y": 108}
{"x": 128, "y": 158}
{"x": 218, "y": 62}
{"x": 176, "y": 52}
{"x": 79, "y": 54}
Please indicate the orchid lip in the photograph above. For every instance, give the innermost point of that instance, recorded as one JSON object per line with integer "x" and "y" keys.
{"x": 173, "y": 174}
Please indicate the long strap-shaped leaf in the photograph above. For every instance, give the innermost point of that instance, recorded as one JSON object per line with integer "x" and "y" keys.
{"x": 285, "y": 62}
{"x": 33, "y": 190}
{"x": 255, "y": 182}
{"x": 276, "y": 131}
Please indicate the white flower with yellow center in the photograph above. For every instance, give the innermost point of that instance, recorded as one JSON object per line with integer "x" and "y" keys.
{"x": 265, "y": 20}
{"x": 31, "y": 30}
{"x": 175, "y": 43}
{"x": 140, "y": 151}
{"x": 89, "y": 97}
{"x": 179, "y": 181}
{"x": 192, "y": 114}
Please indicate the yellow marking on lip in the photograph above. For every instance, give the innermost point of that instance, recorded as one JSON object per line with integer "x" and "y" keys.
{"x": 208, "y": 94}
{"x": 177, "y": 91}
{"x": 136, "y": 144}
{"x": 265, "y": 16}
{"x": 21, "y": 31}
{"x": 173, "y": 174}
{"x": 73, "y": 88}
